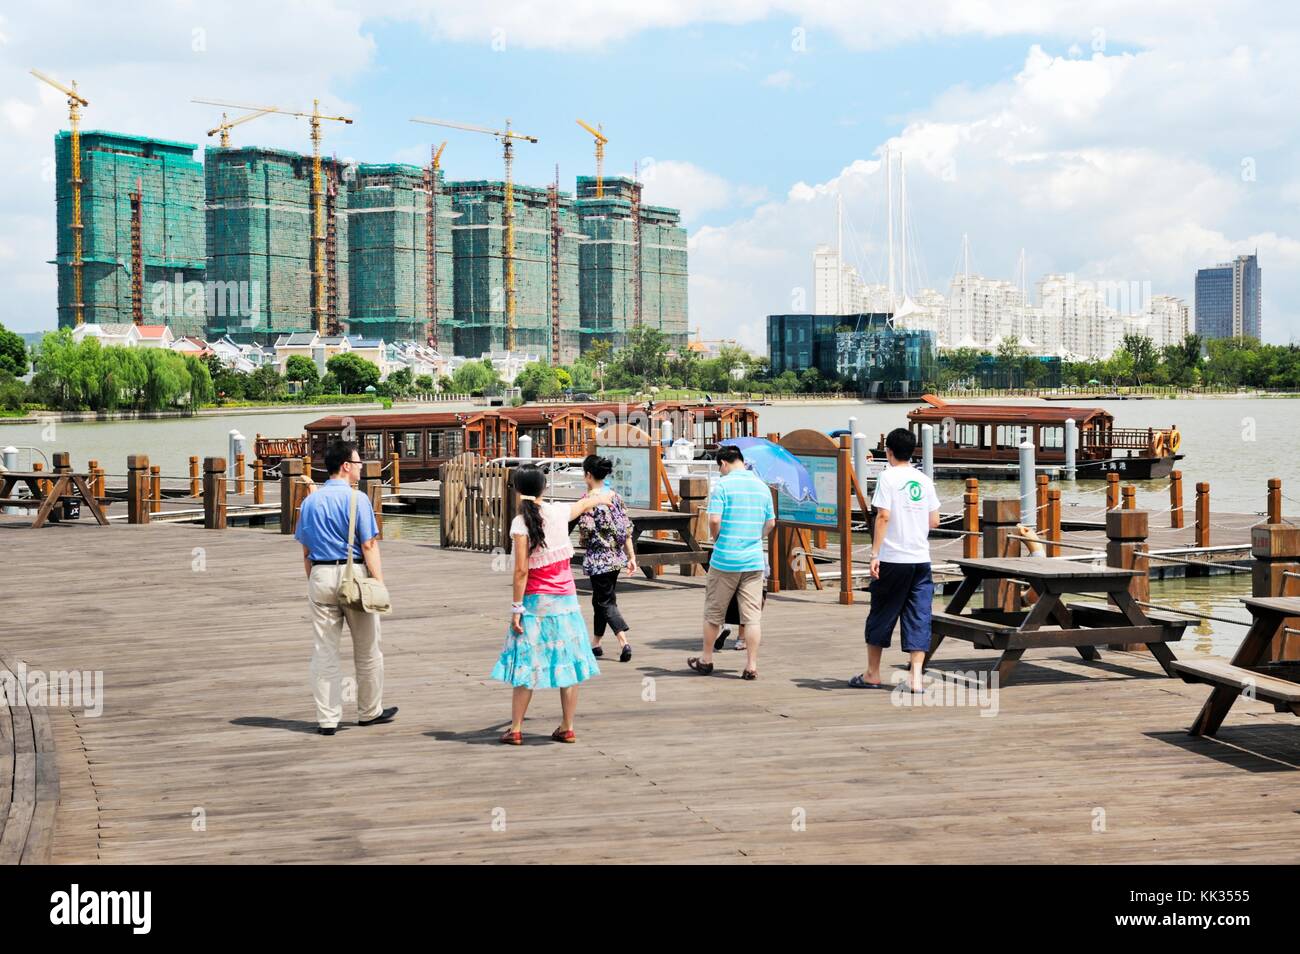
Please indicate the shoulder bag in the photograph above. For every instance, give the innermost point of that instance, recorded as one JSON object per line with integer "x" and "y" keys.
{"x": 360, "y": 592}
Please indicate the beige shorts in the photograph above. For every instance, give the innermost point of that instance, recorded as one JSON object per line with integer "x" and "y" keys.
{"x": 721, "y": 585}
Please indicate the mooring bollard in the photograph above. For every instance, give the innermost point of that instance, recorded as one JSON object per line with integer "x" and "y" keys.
{"x": 195, "y": 487}
{"x": 1275, "y": 547}
{"x": 970, "y": 543}
{"x": 1112, "y": 491}
{"x": 693, "y": 498}
{"x": 1040, "y": 503}
{"x": 239, "y": 474}
{"x": 155, "y": 489}
{"x": 290, "y": 478}
{"x": 927, "y": 450}
{"x": 1126, "y": 539}
{"x": 137, "y": 492}
{"x": 214, "y": 493}
{"x": 1054, "y": 521}
{"x": 1176, "y": 516}
{"x": 1130, "y": 497}
{"x": 1000, "y": 518}
{"x": 1071, "y": 448}
{"x": 259, "y": 487}
{"x": 1203, "y": 514}
{"x": 1027, "y": 483}
{"x": 396, "y": 475}
{"x": 372, "y": 485}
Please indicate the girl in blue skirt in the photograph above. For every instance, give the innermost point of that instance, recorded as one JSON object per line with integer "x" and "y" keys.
{"x": 548, "y": 645}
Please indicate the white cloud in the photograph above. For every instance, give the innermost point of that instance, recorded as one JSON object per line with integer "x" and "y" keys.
{"x": 695, "y": 191}
{"x": 781, "y": 79}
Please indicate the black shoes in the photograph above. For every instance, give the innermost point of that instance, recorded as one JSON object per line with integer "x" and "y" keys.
{"x": 325, "y": 730}
{"x": 388, "y": 715}
{"x": 626, "y": 654}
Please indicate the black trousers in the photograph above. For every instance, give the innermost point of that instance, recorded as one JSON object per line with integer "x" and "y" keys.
{"x": 604, "y": 601}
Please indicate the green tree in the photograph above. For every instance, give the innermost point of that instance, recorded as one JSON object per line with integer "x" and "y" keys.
{"x": 354, "y": 373}
{"x": 538, "y": 380}
{"x": 424, "y": 383}
{"x": 399, "y": 383}
{"x": 264, "y": 384}
{"x": 302, "y": 370}
{"x": 475, "y": 377}
{"x": 1143, "y": 354}
{"x": 13, "y": 353}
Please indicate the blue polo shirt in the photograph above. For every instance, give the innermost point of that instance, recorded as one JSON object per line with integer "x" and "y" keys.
{"x": 323, "y": 521}
{"x": 745, "y": 503}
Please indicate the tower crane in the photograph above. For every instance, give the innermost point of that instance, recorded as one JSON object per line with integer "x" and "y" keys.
{"x": 507, "y": 138}
{"x": 75, "y": 102}
{"x": 228, "y": 124}
{"x": 315, "y": 117}
{"x": 431, "y": 245}
{"x": 601, "y": 139}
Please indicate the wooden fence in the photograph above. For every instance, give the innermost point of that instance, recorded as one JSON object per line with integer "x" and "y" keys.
{"x": 477, "y": 505}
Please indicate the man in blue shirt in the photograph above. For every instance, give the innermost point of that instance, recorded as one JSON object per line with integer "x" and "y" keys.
{"x": 740, "y": 518}
{"x": 323, "y": 532}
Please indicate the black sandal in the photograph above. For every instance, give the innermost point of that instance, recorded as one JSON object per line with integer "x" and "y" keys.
{"x": 703, "y": 668}
{"x": 721, "y": 640}
{"x": 626, "y": 654}
{"x": 750, "y": 674}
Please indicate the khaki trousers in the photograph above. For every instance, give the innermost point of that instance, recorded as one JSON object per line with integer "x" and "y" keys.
{"x": 327, "y": 618}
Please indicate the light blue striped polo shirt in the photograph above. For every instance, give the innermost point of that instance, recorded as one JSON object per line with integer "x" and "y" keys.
{"x": 745, "y": 503}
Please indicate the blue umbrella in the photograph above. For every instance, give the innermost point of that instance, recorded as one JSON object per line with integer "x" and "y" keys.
{"x": 776, "y": 466}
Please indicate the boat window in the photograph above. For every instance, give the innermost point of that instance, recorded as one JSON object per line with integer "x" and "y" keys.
{"x": 411, "y": 444}
{"x": 371, "y": 446}
{"x": 1051, "y": 438}
{"x": 1010, "y": 435}
{"x": 474, "y": 440}
{"x": 561, "y": 438}
{"x": 968, "y": 435}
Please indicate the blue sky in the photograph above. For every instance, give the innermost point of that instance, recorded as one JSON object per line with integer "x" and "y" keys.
{"x": 1111, "y": 141}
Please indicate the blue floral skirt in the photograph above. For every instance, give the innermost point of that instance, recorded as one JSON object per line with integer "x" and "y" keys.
{"x": 553, "y": 651}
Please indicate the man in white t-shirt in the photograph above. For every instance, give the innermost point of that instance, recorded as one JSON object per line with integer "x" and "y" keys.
{"x": 907, "y": 509}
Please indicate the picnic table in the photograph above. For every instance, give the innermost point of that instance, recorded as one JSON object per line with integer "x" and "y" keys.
{"x": 1051, "y": 622}
{"x": 1249, "y": 673}
{"x": 62, "y": 486}
{"x": 652, "y": 553}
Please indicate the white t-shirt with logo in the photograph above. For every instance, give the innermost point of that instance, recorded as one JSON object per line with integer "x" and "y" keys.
{"x": 908, "y": 494}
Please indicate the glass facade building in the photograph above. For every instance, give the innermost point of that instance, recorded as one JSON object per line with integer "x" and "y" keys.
{"x": 1229, "y": 300}
{"x": 864, "y": 351}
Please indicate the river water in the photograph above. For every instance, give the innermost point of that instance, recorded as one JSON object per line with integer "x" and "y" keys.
{"x": 1235, "y": 444}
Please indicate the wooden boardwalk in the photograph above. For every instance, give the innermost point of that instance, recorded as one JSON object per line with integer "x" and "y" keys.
{"x": 204, "y": 644}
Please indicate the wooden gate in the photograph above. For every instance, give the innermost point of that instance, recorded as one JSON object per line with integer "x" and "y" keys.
{"x": 476, "y": 504}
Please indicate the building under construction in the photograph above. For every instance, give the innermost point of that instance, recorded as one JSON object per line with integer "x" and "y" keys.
{"x": 395, "y": 285}
{"x": 142, "y": 225}
{"x": 260, "y": 232}
{"x": 633, "y": 264}
{"x": 545, "y": 257}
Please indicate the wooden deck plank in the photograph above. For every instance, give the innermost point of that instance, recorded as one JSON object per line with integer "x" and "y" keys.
{"x": 207, "y": 707}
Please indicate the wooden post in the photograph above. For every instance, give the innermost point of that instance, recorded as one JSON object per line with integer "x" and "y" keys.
{"x": 1176, "y": 516}
{"x": 290, "y": 479}
{"x": 214, "y": 493}
{"x": 372, "y": 485}
{"x": 306, "y": 469}
{"x": 1040, "y": 503}
{"x": 693, "y": 498}
{"x": 195, "y": 488}
{"x": 1112, "y": 491}
{"x": 1130, "y": 497}
{"x": 1000, "y": 517}
{"x": 396, "y": 475}
{"x": 62, "y": 462}
{"x": 239, "y": 474}
{"x": 1202, "y": 514}
{"x": 775, "y": 559}
{"x": 1126, "y": 538}
{"x": 137, "y": 483}
{"x": 259, "y": 485}
{"x": 1274, "y": 500}
{"x": 1276, "y": 549}
{"x": 845, "y": 497}
{"x": 1054, "y": 521}
{"x": 155, "y": 489}
{"x": 970, "y": 543}
{"x": 44, "y": 484}
{"x": 92, "y": 480}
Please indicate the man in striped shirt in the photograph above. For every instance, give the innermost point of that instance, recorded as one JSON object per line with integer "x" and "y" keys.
{"x": 740, "y": 517}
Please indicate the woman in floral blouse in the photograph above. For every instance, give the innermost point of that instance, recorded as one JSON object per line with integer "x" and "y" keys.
{"x": 606, "y": 533}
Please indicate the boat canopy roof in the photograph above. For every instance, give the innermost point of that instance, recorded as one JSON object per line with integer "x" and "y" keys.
{"x": 367, "y": 422}
{"x": 937, "y": 410}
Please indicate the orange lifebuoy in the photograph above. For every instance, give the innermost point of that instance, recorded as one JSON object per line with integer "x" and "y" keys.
{"x": 1175, "y": 441}
{"x": 1158, "y": 445}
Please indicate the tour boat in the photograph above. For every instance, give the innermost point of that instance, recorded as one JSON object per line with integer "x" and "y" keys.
{"x": 424, "y": 440}
{"x": 992, "y": 433}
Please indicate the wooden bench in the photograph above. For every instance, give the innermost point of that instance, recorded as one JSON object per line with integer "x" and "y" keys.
{"x": 1250, "y": 674}
{"x": 29, "y": 780}
{"x": 1106, "y": 614}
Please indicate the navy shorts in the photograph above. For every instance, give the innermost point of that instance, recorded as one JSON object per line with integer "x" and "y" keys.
{"x": 903, "y": 594}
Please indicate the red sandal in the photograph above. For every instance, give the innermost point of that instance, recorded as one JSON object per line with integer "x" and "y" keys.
{"x": 510, "y": 737}
{"x": 564, "y": 735}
